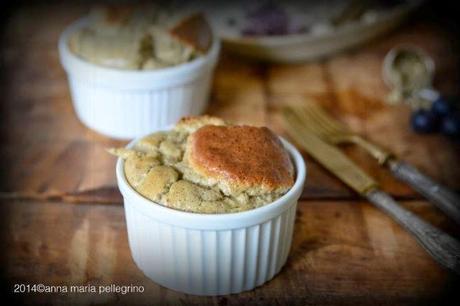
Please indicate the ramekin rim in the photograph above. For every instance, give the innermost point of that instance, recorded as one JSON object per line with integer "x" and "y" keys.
{"x": 294, "y": 191}
{"x": 171, "y": 70}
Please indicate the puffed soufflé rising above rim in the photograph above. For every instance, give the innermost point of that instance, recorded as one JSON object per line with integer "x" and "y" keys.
{"x": 236, "y": 191}
{"x": 211, "y": 254}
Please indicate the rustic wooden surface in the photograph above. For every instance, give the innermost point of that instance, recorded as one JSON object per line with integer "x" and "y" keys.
{"x": 359, "y": 258}
{"x": 344, "y": 250}
{"x": 60, "y": 158}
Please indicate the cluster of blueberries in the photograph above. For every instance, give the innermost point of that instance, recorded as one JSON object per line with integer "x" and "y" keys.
{"x": 443, "y": 116}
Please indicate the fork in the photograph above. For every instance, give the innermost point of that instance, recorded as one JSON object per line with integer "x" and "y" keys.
{"x": 329, "y": 129}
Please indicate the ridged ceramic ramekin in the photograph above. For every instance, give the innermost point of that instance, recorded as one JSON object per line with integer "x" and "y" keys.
{"x": 211, "y": 254}
{"x": 126, "y": 104}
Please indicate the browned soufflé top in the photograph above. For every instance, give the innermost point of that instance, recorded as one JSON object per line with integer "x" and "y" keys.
{"x": 205, "y": 165}
{"x": 244, "y": 156}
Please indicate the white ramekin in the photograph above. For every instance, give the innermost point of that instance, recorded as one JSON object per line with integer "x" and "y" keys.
{"x": 211, "y": 254}
{"x": 126, "y": 104}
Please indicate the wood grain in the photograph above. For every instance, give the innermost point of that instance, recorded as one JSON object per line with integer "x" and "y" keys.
{"x": 48, "y": 154}
{"x": 343, "y": 253}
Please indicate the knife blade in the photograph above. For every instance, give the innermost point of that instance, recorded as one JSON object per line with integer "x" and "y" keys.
{"x": 336, "y": 162}
{"x": 442, "y": 247}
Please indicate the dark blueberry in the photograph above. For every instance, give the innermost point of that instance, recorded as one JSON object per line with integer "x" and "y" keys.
{"x": 450, "y": 125}
{"x": 267, "y": 19}
{"x": 441, "y": 107}
{"x": 423, "y": 121}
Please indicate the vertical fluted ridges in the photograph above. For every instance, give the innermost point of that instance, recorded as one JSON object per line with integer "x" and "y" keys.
{"x": 209, "y": 262}
{"x": 133, "y": 113}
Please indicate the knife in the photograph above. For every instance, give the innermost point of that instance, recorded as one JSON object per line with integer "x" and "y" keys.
{"x": 442, "y": 247}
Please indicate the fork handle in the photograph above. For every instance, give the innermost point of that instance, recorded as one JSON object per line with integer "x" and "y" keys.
{"x": 442, "y": 247}
{"x": 444, "y": 198}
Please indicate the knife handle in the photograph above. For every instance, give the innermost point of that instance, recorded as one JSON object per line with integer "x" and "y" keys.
{"x": 442, "y": 247}
{"x": 446, "y": 200}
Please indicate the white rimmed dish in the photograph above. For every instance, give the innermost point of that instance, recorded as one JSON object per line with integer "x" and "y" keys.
{"x": 294, "y": 48}
{"x": 211, "y": 254}
{"x": 126, "y": 104}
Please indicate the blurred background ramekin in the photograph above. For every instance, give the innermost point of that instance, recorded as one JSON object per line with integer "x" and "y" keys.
{"x": 211, "y": 254}
{"x": 126, "y": 104}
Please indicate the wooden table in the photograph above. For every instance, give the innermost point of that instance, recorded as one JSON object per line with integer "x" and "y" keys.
{"x": 63, "y": 220}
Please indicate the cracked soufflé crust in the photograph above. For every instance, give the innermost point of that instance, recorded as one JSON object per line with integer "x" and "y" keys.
{"x": 204, "y": 165}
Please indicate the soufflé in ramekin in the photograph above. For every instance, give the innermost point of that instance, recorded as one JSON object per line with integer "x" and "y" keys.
{"x": 137, "y": 68}
{"x": 210, "y": 207}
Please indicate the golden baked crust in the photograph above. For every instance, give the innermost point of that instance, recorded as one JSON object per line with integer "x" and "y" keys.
{"x": 241, "y": 158}
{"x": 203, "y": 165}
{"x": 194, "y": 31}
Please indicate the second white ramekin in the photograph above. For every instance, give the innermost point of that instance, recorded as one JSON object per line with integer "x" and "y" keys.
{"x": 211, "y": 254}
{"x": 126, "y": 104}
